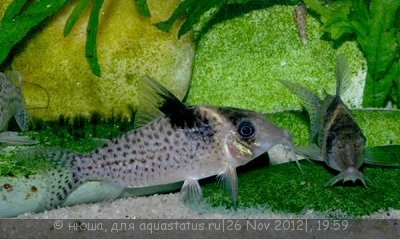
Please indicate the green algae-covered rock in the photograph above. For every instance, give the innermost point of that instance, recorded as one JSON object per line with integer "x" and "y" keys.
{"x": 238, "y": 62}
{"x": 129, "y": 46}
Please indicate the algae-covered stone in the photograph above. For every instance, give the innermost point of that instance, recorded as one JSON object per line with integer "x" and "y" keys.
{"x": 239, "y": 61}
{"x": 129, "y": 46}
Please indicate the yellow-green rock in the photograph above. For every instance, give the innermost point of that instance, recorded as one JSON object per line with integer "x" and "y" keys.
{"x": 3, "y": 6}
{"x": 129, "y": 46}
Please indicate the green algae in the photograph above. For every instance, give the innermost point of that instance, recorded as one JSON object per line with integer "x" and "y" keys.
{"x": 239, "y": 61}
{"x": 77, "y": 134}
{"x": 283, "y": 188}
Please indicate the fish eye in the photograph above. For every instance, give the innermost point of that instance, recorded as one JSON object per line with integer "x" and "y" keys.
{"x": 246, "y": 129}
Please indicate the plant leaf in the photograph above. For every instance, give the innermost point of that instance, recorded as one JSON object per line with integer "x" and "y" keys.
{"x": 373, "y": 24}
{"x": 143, "y": 7}
{"x": 379, "y": 48}
{"x": 73, "y": 18}
{"x": 12, "y": 32}
{"x": 397, "y": 85}
{"x": 334, "y": 19}
{"x": 91, "y": 41}
{"x": 13, "y": 9}
{"x": 195, "y": 12}
{"x": 178, "y": 12}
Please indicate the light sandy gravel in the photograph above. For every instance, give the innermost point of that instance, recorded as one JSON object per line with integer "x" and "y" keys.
{"x": 167, "y": 206}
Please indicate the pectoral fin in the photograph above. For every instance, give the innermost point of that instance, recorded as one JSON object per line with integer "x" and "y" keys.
{"x": 386, "y": 155}
{"x": 230, "y": 180}
{"x": 312, "y": 152}
{"x": 9, "y": 137}
{"x": 191, "y": 192}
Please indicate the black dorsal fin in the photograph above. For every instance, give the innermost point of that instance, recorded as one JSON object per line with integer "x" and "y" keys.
{"x": 153, "y": 94}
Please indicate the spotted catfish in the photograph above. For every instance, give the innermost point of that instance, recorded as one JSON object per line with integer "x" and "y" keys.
{"x": 12, "y": 104}
{"x": 340, "y": 141}
{"x": 186, "y": 144}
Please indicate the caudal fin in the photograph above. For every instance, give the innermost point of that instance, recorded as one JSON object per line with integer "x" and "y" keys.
{"x": 59, "y": 177}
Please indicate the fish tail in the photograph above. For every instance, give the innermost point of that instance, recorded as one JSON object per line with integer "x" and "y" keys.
{"x": 60, "y": 178}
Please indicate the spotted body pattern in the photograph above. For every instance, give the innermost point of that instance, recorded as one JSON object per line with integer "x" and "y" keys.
{"x": 12, "y": 104}
{"x": 340, "y": 141}
{"x": 188, "y": 143}
{"x": 300, "y": 18}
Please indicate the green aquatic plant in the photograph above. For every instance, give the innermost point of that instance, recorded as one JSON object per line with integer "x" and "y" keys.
{"x": 193, "y": 10}
{"x": 19, "y": 20}
{"x": 22, "y": 16}
{"x": 374, "y": 27}
{"x": 92, "y": 28}
{"x": 222, "y": 9}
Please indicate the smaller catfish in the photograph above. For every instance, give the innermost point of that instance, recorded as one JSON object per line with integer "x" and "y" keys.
{"x": 185, "y": 144}
{"x": 340, "y": 141}
{"x": 300, "y": 18}
{"x": 12, "y": 104}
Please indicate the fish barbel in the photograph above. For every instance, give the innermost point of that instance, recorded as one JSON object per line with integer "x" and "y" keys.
{"x": 340, "y": 141}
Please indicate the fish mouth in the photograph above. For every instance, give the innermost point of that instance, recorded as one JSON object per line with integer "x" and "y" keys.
{"x": 240, "y": 152}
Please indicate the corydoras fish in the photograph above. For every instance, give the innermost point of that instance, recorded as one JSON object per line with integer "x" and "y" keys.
{"x": 12, "y": 104}
{"x": 186, "y": 144}
{"x": 300, "y": 18}
{"x": 340, "y": 141}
